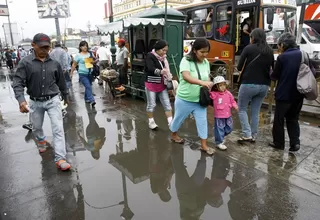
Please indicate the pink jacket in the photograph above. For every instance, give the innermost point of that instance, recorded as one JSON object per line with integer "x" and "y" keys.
{"x": 223, "y": 103}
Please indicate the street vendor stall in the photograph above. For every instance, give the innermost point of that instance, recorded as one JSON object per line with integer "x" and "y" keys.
{"x": 144, "y": 29}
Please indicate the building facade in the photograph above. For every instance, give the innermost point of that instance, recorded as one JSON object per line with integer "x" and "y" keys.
{"x": 127, "y": 8}
{"x": 15, "y": 34}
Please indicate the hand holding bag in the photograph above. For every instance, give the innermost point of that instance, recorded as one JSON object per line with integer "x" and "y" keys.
{"x": 204, "y": 99}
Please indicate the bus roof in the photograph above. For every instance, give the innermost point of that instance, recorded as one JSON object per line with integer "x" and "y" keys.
{"x": 198, "y": 4}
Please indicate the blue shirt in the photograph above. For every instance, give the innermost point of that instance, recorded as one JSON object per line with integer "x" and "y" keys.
{"x": 80, "y": 60}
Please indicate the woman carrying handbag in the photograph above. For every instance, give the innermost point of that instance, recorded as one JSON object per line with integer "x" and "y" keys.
{"x": 158, "y": 81}
{"x": 255, "y": 63}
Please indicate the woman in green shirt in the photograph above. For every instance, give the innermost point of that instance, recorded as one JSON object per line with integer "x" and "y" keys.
{"x": 187, "y": 98}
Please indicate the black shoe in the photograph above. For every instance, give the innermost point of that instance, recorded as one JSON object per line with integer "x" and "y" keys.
{"x": 294, "y": 148}
{"x": 93, "y": 104}
{"x": 27, "y": 126}
{"x": 28, "y": 137}
{"x": 276, "y": 146}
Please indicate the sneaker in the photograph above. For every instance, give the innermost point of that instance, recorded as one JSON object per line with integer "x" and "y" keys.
{"x": 153, "y": 125}
{"x": 222, "y": 147}
{"x": 27, "y": 126}
{"x": 63, "y": 165}
{"x": 42, "y": 146}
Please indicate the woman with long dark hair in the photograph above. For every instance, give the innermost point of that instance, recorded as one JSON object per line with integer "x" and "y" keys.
{"x": 84, "y": 72}
{"x": 187, "y": 98}
{"x": 255, "y": 62}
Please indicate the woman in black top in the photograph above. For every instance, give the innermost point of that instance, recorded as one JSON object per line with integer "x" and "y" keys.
{"x": 255, "y": 62}
{"x": 157, "y": 73}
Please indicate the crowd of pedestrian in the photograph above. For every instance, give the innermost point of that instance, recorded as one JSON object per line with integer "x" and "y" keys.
{"x": 48, "y": 76}
{"x": 257, "y": 70}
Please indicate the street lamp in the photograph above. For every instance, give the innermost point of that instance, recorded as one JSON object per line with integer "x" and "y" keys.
{"x": 22, "y": 29}
{"x": 113, "y": 48}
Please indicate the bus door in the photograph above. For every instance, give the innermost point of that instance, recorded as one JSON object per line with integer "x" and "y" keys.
{"x": 246, "y": 19}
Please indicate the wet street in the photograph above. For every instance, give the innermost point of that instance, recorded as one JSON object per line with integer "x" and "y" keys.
{"x": 122, "y": 170}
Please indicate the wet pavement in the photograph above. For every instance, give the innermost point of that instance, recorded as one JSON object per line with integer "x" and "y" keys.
{"x": 122, "y": 170}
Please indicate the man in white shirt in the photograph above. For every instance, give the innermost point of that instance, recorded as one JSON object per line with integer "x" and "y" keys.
{"x": 104, "y": 58}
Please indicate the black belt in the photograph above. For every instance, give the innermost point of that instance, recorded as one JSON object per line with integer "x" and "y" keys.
{"x": 43, "y": 98}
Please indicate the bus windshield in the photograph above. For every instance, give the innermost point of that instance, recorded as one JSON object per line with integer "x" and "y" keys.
{"x": 311, "y": 35}
{"x": 285, "y": 20}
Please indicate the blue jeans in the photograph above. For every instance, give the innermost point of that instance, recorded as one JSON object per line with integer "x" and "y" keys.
{"x": 183, "y": 109}
{"x": 53, "y": 109}
{"x": 152, "y": 99}
{"x": 222, "y": 127}
{"x": 86, "y": 82}
{"x": 68, "y": 79}
{"x": 254, "y": 94}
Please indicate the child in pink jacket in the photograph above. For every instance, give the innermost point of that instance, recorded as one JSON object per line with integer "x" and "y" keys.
{"x": 223, "y": 102}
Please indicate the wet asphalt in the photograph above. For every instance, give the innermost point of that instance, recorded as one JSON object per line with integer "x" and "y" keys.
{"x": 122, "y": 170}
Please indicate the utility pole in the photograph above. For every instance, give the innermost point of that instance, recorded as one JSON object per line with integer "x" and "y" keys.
{"x": 10, "y": 29}
{"x": 89, "y": 32}
{"x": 22, "y": 33}
{"x": 58, "y": 29}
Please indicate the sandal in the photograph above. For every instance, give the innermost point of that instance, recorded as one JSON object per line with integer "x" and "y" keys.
{"x": 244, "y": 140}
{"x": 209, "y": 151}
{"x": 178, "y": 140}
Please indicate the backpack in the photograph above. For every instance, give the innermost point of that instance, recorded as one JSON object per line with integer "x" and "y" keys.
{"x": 306, "y": 81}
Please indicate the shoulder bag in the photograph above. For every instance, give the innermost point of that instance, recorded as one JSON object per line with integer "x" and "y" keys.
{"x": 168, "y": 83}
{"x": 95, "y": 70}
{"x": 204, "y": 99}
{"x": 246, "y": 66}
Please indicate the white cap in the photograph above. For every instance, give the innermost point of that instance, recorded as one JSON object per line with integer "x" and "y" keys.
{"x": 218, "y": 79}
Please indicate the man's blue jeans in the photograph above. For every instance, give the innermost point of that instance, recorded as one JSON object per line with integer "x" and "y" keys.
{"x": 254, "y": 94}
{"x": 86, "y": 82}
{"x": 53, "y": 108}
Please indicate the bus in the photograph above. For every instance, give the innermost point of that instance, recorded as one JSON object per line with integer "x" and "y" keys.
{"x": 220, "y": 22}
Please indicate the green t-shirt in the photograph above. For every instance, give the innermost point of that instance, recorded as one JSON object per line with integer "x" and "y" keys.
{"x": 191, "y": 92}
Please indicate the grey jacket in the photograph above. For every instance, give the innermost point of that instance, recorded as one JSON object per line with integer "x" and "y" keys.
{"x": 61, "y": 56}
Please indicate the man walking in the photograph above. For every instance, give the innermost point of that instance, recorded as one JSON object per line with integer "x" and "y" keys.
{"x": 44, "y": 80}
{"x": 61, "y": 56}
{"x": 104, "y": 59}
{"x": 22, "y": 53}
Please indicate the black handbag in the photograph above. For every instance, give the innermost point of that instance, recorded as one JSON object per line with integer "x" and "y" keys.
{"x": 95, "y": 70}
{"x": 204, "y": 99}
{"x": 169, "y": 85}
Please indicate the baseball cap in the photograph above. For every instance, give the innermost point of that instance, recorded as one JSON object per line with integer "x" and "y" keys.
{"x": 41, "y": 40}
{"x": 123, "y": 41}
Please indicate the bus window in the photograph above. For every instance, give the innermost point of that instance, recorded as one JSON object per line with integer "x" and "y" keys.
{"x": 223, "y": 23}
{"x": 196, "y": 24}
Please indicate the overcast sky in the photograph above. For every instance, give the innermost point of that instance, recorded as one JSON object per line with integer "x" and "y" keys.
{"x": 82, "y": 11}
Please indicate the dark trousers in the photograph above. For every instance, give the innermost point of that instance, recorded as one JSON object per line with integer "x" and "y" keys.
{"x": 289, "y": 111}
{"x": 123, "y": 75}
